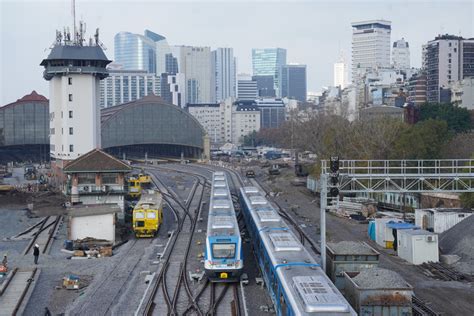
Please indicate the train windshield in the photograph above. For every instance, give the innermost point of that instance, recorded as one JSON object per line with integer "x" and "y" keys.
{"x": 139, "y": 215}
{"x": 223, "y": 251}
{"x": 150, "y": 215}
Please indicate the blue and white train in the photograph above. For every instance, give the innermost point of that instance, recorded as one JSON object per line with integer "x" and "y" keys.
{"x": 297, "y": 284}
{"x": 223, "y": 261}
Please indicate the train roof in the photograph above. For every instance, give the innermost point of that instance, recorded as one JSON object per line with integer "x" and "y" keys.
{"x": 309, "y": 288}
{"x": 149, "y": 199}
{"x": 222, "y": 220}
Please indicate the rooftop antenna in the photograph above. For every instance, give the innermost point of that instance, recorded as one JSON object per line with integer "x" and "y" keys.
{"x": 74, "y": 19}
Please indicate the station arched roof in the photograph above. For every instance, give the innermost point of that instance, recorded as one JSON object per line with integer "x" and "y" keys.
{"x": 150, "y": 120}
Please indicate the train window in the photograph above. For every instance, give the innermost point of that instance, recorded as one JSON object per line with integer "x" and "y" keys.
{"x": 223, "y": 251}
{"x": 139, "y": 215}
{"x": 150, "y": 215}
{"x": 140, "y": 224}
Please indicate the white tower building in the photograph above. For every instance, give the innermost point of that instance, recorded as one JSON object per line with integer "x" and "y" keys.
{"x": 401, "y": 55}
{"x": 224, "y": 67}
{"x": 341, "y": 72}
{"x": 370, "y": 46}
{"x": 74, "y": 71}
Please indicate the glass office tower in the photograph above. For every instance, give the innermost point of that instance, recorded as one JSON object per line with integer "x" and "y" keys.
{"x": 268, "y": 61}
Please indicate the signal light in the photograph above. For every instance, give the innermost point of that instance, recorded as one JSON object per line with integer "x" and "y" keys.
{"x": 334, "y": 192}
{"x": 334, "y": 164}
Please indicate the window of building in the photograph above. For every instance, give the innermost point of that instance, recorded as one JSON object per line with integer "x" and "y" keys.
{"x": 70, "y": 96}
{"x": 70, "y": 114}
{"x": 455, "y": 49}
{"x": 449, "y": 55}
{"x": 69, "y": 81}
{"x": 449, "y": 60}
{"x": 449, "y": 45}
{"x": 71, "y": 131}
{"x": 71, "y": 148}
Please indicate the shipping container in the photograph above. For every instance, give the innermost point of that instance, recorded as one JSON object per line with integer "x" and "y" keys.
{"x": 380, "y": 231}
{"x": 349, "y": 256}
{"x": 439, "y": 220}
{"x": 418, "y": 246}
{"x": 378, "y": 292}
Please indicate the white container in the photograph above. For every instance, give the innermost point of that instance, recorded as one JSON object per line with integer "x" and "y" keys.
{"x": 439, "y": 220}
{"x": 418, "y": 246}
{"x": 382, "y": 234}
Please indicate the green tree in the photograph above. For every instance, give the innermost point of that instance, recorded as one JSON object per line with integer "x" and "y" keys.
{"x": 424, "y": 140}
{"x": 467, "y": 199}
{"x": 458, "y": 119}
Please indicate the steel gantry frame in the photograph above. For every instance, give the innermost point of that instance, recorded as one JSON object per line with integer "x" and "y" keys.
{"x": 444, "y": 175}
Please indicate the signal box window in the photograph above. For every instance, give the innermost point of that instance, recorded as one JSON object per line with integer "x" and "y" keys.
{"x": 70, "y": 97}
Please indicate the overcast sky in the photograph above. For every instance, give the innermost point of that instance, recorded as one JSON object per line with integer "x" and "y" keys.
{"x": 313, "y": 32}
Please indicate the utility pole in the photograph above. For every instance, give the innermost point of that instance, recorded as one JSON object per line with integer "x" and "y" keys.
{"x": 322, "y": 228}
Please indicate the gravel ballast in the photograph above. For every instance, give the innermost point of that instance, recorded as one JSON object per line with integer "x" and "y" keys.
{"x": 351, "y": 248}
{"x": 378, "y": 278}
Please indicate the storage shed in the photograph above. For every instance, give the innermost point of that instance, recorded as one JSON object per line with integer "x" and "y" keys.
{"x": 439, "y": 220}
{"x": 349, "y": 256}
{"x": 418, "y": 246}
{"x": 391, "y": 231}
{"x": 377, "y": 291}
{"x": 93, "y": 221}
{"x": 380, "y": 229}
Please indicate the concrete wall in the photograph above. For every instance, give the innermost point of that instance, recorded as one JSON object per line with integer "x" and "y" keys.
{"x": 95, "y": 226}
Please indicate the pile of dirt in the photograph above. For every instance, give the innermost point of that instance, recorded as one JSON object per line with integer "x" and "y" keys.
{"x": 459, "y": 240}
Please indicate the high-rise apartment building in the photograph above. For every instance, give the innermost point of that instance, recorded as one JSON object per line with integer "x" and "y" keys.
{"x": 341, "y": 73}
{"x": 417, "y": 90}
{"x": 293, "y": 82}
{"x": 195, "y": 63}
{"x": 370, "y": 46}
{"x": 268, "y": 61}
{"x": 173, "y": 88}
{"x": 127, "y": 85}
{"x": 401, "y": 55}
{"x": 272, "y": 112}
{"x": 246, "y": 87}
{"x": 448, "y": 58}
{"x": 224, "y": 68}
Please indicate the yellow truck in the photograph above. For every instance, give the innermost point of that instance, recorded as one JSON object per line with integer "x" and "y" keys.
{"x": 148, "y": 214}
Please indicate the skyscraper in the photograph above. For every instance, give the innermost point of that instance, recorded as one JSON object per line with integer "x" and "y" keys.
{"x": 401, "y": 55}
{"x": 268, "y": 61}
{"x": 195, "y": 63}
{"x": 340, "y": 72}
{"x": 223, "y": 62}
{"x": 370, "y": 46}
{"x": 265, "y": 86}
{"x": 135, "y": 52}
{"x": 448, "y": 58}
{"x": 293, "y": 82}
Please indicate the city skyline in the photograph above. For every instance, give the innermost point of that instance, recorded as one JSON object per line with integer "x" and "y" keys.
{"x": 22, "y": 49}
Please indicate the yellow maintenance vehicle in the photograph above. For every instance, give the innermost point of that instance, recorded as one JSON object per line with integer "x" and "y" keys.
{"x": 148, "y": 214}
{"x": 138, "y": 182}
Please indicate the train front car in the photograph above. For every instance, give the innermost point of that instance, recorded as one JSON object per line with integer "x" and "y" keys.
{"x": 296, "y": 283}
{"x": 223, "y": 260}
{"x": 148, "y": 214}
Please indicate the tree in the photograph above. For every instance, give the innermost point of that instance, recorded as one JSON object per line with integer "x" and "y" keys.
{"x": 467, "y": 199}
{"x": 424, "y": 140}
{"x": 457, "y": 118}
{"x": 461, "y": 146}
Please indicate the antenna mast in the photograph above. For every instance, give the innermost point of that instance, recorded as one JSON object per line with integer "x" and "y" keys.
{"x": 74, "y": 19}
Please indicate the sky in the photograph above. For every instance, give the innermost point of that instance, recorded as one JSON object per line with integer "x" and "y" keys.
{"x": 312, "y": 31}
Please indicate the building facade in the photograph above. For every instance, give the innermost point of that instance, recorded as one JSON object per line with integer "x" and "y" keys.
{"x": 265, "y": 86}
{"x": 293, "y": 82}
{"x": 74, "y": 72}
{"x": 173, "y": 88}
{"x": 401, "y": 55}
{"x": 127, "y": 85}
{"x": 195, "y": 63}
{"x": 212, "y": 118}
{"x": 272, "y": 112}
{"x": 245, "y": 120}
{"x": 417, "y": 90}
{"x": 370, "y": 46}
{"x": 463, "y": 93}
{"x": 224, "y": 67}
{"x": 268, "y": 62}
{"x": 135, "y": 52}
{"x": 247, "y": 88}
{"x": 449, "y": 59}
{"x": 341, "y": 74}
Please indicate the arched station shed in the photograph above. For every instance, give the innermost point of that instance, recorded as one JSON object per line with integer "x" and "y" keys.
{"x": 150, "y": 126}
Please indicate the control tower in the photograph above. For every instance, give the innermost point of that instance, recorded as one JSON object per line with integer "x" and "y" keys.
{"x": 74, "y": 70}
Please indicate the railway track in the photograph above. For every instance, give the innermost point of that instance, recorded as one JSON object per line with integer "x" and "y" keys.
{"x": 44, "y": 234}
{"x": 172, "y": 277}
{"x": 206, "y": 298}
{"x": 443, "y": 272}
{"x": 14, "y": 289}
{"x": 420, "y": 308}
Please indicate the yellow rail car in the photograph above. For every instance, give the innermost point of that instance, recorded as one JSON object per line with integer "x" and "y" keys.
{"x": 148, "y": 214}
{"x": 134, "y": 188}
